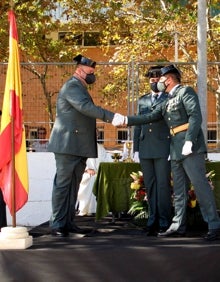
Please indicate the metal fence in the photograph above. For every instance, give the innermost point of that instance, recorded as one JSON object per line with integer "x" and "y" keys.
{"x": 117, "y": 88}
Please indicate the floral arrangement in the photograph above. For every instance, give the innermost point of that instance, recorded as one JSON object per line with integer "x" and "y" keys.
{"x": 139, "y": 204}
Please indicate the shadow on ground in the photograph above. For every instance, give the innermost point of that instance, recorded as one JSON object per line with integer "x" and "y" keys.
{"x": 112, "y": 251}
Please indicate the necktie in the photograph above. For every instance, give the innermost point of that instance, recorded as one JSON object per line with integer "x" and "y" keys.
{"x": 155, "y": 97}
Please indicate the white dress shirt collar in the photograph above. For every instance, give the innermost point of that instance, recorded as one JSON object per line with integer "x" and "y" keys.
{"x": 173, "y": 89}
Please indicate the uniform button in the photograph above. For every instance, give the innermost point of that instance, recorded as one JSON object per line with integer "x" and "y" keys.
{"x": 76, "y": 131}
{"x": 169, "y": 118}
{"x": 150, "y": 130}
{"x": 150, "y": 123}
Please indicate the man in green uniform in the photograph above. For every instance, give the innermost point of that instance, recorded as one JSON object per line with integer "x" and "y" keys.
{"x": 152, "y": 146}
{"x": 182, "y": 114}
{"x": 73, "y": 140}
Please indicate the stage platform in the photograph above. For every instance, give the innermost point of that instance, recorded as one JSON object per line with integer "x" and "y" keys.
{"x": 116, "y": 251}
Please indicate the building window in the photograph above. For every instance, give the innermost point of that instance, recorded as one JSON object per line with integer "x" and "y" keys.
{"x": 212, "y": 136}
{"x": 87, "y": 38}
{"x": 101, "y": 135}
{"x": 91, "y": 39}
{"x": 70, "y": 38}
{"x": 122, "y": 136}
{"x": 80, "y": 39}
{"x": 33, "y": 133}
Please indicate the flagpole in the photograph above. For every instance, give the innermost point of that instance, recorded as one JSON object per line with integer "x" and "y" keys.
{"x": 13, "y": 200}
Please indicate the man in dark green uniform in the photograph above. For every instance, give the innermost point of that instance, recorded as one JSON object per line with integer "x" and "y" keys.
{"x": 152, "y": 146}
{"x": 182, "y": 114}
{"x": 73, "y": 140}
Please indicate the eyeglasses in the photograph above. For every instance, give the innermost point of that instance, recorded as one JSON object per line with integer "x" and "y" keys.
{"x": 41, "y": 133}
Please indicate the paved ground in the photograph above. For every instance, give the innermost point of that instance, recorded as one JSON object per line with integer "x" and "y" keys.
{"x": 116, "y": 251}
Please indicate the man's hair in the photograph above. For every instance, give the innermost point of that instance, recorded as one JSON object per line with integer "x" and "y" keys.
{"x": 175, "y": 77}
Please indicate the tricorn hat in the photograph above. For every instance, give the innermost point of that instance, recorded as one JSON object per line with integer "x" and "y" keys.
{"x": 154, "y": 71}
{"x": 80, "y": 60}
{"x": 170, "y": 69}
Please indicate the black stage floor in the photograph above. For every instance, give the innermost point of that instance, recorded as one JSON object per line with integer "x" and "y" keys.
{"x": 112, "y": 252}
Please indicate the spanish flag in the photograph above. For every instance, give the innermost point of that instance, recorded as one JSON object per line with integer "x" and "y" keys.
{"x": 13, "y": 156}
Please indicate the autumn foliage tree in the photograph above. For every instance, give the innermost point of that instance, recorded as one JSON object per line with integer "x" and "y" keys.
{"x": 136, "y": 31}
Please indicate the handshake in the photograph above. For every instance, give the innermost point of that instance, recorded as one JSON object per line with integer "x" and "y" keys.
{"x": 119, "y": 120}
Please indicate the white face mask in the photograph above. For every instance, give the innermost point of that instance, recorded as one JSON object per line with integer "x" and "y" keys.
{"x": 161, "y": 86}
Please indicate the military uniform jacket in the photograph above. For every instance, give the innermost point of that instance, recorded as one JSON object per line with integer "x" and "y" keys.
{"x": 151, "y": 140}
{"x": 74, "y": 130}
{"x": 182, "y": 108}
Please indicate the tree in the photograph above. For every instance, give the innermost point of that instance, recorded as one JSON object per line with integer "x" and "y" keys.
{"x": 213, "y": 81}
{"x": 36, "y": 22}
{"x": 140, "y": 31}
{"x": 147, "y": 31}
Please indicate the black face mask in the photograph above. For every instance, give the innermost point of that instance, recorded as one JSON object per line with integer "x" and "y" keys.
{"x": 90, "y": 78}
{"x": 153, "y": 87}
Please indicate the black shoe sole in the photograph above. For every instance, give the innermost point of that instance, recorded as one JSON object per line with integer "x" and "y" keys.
{"x": 211, "y": 238}
{"x": 59, "y": 234}
{"x": 172, "y": 235}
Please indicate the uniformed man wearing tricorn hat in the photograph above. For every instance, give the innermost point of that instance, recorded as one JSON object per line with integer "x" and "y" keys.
{"x": 152, "y": 147}
{"x": 183, "y": 116}
{"x": 73, "y": 140}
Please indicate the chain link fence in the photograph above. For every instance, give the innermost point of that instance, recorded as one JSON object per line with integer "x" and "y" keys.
{"x": 117, "y": 88}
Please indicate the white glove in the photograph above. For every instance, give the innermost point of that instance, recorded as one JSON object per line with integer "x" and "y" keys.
{"x": 187, "y": 148}
{"x": 118, "y": 120}
{"x": 136, "y": 157}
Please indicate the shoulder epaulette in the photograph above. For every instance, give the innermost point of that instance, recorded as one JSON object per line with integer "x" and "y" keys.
{"x": 144, "y": 95}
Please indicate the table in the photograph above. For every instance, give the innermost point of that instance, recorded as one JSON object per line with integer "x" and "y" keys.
{"x": 216, "y": 180}
{"x": 112, "y": 187}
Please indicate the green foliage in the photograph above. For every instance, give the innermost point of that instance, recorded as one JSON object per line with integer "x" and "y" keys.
{"x": 139, "y": 209}
{"x": 141, "y": 30}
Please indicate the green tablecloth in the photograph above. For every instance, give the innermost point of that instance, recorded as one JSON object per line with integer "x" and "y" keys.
{"x": 112, "y": 187}
{"x": 216, "y": 180}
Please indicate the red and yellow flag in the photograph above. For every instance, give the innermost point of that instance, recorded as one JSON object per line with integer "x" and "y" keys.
{"x": 13, "y": 156}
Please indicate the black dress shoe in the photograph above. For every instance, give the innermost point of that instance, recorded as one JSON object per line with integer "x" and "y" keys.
{"x": 171, "y": 233}
{"x": 76, "y": 229}
{"x": 151, "y": 232}
{"x": 59, "y": 232}
{"x": 212, "y": 235}
{"x": 163, "y": 229}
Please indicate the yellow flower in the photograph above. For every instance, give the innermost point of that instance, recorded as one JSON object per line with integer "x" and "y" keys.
{"x": 136, "y": 175}
{"x": 137, "y": 180}
{"x": 135, "y": 185}
{"x": 193, "y": 203}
